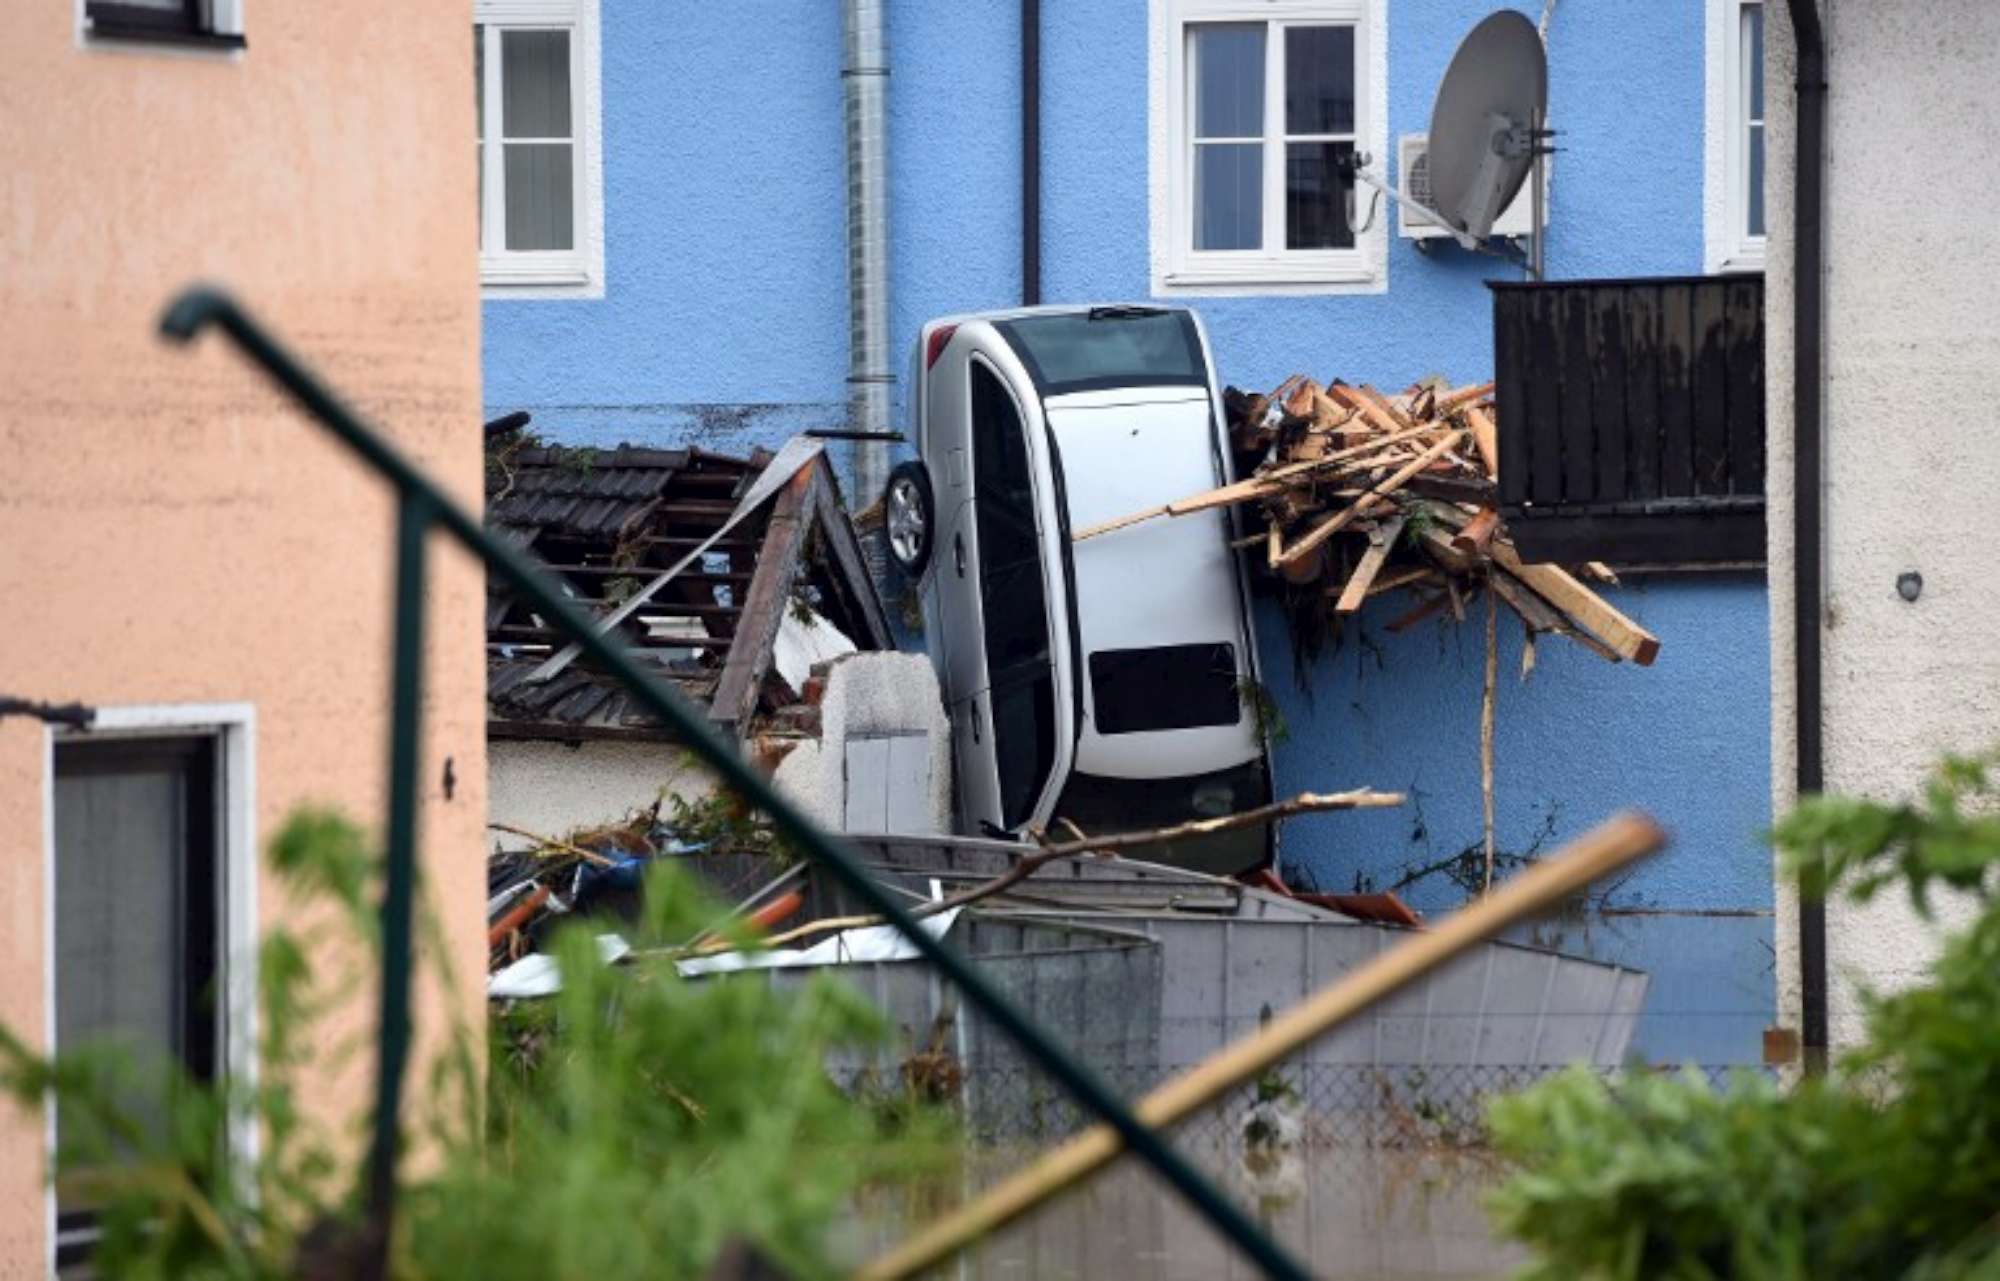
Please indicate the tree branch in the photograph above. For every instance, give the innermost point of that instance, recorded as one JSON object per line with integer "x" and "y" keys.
{"x": 1029, "y": 864}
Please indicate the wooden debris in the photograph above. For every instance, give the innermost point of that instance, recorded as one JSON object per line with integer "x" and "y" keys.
{"x": 1381, "y": 541}
{"x": 1415, "y": 472}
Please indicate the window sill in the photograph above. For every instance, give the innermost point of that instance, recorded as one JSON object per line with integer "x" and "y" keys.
{"x": 563, "y": 276}
{"x": 1275, "y": 278}
{"x": 147, "y": 33}
{"x": 1744, "y": 258}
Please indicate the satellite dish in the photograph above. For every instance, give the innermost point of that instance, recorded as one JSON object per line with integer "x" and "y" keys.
{"x": 1483, "y": 137}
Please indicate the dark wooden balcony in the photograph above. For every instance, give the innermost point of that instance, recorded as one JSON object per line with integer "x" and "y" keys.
{"x": 1631, "y": 418}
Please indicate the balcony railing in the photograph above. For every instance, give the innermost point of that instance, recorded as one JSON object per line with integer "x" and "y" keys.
{"x": 1631, "y": 418}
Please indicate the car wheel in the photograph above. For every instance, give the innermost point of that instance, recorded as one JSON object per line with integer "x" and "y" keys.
{"x": 909, "y": 515}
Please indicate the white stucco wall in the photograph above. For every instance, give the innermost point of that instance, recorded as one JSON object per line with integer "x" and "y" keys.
{"x": 554, "y": 788}
{"x": 871, "y": 693}
{"x": 1912, "y": 458}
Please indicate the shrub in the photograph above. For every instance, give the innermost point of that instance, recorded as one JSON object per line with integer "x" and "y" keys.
{"x": 1888, "y": 1167}
{"x": 631, "y": 1126}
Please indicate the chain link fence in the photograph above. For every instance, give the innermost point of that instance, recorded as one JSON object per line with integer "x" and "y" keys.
{"x": 1313, "y": 1106}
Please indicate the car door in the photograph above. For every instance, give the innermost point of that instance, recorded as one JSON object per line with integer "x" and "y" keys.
{"x": 957, "y": 647}
{"x": 1015, "y": 715}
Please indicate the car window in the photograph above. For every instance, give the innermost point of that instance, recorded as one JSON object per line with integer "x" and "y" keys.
{"x": 1164, "y": 687}
{"x": 1013, "y": 603}
{"x": 1108, "y": 347}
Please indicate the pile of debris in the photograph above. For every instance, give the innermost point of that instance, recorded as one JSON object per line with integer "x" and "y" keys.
{"x": 1361, "y": 493}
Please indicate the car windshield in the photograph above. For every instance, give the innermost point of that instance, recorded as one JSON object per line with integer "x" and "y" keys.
{"x": 1100, "y": 806}
{"x": 1108, "y": 347}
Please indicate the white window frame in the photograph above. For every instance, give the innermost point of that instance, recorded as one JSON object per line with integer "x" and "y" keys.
{"x": 577, "y": 272}
{"x": 233, "y": 726}
{"x": 1727, "y": 244}
{"x": 225, "y": 18}
{"x": 1178, "y": 269}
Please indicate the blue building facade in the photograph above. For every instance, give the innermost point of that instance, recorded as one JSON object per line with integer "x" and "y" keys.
{"x": 721, "y": 319}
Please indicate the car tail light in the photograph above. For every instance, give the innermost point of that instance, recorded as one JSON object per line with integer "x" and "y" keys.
{"x": 935, "y": 343}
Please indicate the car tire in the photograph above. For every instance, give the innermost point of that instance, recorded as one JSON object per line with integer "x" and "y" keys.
{"x": 909, "y": 517}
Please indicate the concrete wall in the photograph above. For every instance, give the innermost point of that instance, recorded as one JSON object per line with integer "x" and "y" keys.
{"x": 1911, "y": 337}
{"x": 724, "y": 321}
{"x": 873, "y": 695}
{"x": 551, "y": 789}
{"x": 170, "y": 530}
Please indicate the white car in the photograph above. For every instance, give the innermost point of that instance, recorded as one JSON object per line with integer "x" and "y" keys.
{"x": 1112, "y": 682}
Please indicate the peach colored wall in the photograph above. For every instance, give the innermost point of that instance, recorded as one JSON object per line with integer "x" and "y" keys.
{"x": 170, "y": 531}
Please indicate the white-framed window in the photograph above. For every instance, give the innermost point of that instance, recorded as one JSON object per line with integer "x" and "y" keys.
{"x": 1259, "y": 109}
{"x": 196, "y": 24}
{"x": 150, "y": 895}
{"x": 541, "y": 215}
{"x": 1733, "y": 204}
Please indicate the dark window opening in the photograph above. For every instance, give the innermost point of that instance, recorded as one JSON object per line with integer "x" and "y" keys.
{"x": 1108, "y": 347}
{"x": 171, "y": 21}
{"x": 1168, "y": 687}
{"x": 1024, "y": 740}
{"x": 1013, "y": 602}
{"x": 138, "y": 917}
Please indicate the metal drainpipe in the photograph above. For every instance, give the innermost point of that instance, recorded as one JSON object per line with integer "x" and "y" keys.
{"x": 865, "y": 84}
{"x": 1808, "y": 518}
{"x": 1031, "y": 153}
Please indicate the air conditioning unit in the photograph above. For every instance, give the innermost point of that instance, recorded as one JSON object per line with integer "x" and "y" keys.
{"x": 1413, "y": 175}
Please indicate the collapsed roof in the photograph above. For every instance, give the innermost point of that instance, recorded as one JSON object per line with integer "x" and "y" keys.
{"x": 609, "y": 524}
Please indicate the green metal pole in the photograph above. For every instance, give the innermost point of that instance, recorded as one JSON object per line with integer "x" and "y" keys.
{"x": 414, "y": 512}
{"x": 199, "y": 307}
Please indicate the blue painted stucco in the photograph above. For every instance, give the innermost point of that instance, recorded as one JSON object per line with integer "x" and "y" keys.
{"x": 724, "y": 322}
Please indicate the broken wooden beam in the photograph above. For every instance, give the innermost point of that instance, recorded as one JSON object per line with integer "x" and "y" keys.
{"x": 1585, "y": 607}
{"x": 1381, "y": 541}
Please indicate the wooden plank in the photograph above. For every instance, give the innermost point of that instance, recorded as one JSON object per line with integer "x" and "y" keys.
{"x": 1407, "y": 576}
{"x": 764, "y": 605}
{"x": 1371, "y": 409}
{"x": 1711, "y": 389}
{"x": 1368, "y": 501}
{"x": 1545, "y": 484}
{"x": 1459, "y": 397}
{"x": 851, "y": 567}
{"x": 1642, "y": 391}
{"x": 1486, "y": 436}
{"x": 1477, "y": 535}
{"x": 1607, "y": 385}
{"x": 1745, "y": 310}
{"x": 1440, "y": 548}
{"x": 1536, "y": 613}
{"x": 1395, "y": 412}
{"x": 1512, "y": 396}
{"x": 1676, "y": 391}
{"x": 1585, "y": 607}
{"x": 1380, "y": 544}
{"x": 1579, "y": 445}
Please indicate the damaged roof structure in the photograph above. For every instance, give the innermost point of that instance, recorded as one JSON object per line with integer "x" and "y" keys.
{"x": 611, "y": 524}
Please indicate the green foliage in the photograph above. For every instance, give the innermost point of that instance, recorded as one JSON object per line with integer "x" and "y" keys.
{"x": 1888, "y": 1168}
{"x": 631, "y": 1126}
{"x": 1264, "y": 709}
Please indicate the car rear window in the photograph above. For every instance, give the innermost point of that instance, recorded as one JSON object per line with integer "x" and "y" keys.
{"x": 1167, "y": 687}
{"x": 1108, "y": 347}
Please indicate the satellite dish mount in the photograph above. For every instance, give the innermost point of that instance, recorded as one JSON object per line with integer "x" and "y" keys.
{"x": 1487, "y": 134}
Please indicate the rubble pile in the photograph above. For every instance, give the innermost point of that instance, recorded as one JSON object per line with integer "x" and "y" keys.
{"x": 1356, "y": 493}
